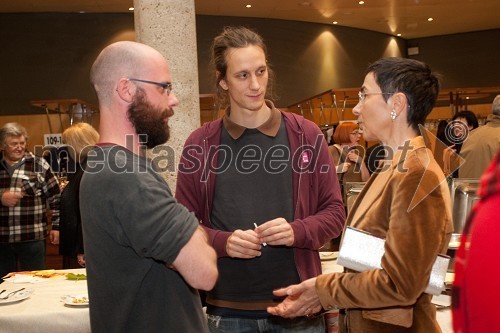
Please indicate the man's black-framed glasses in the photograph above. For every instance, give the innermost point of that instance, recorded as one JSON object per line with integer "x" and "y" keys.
{"x": 167, "y": 86}
{"x": 362, "y": 95}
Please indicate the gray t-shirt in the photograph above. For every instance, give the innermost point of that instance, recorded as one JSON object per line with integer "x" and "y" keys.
{"x": 133, "y": 229}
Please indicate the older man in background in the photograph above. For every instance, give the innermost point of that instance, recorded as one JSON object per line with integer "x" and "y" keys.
{"x": 27, "y": 187}
{"x": 482, "y": 145}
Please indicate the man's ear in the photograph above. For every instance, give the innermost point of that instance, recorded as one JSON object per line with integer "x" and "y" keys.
{"x": 222, "y": 82}
{"x": 126, "y": 90}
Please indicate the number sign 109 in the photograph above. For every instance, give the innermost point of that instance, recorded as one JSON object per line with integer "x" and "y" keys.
{"x": 53, "y": 139}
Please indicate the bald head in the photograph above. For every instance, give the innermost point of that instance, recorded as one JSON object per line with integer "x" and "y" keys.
{"x": 496, "y": 105}
{"x": 119, "y": 60}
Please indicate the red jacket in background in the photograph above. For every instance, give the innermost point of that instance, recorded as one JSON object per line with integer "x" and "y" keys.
{"x": 476, "y": 292}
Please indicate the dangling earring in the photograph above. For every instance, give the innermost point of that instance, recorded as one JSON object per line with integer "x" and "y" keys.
{"x": 393, "y": 114}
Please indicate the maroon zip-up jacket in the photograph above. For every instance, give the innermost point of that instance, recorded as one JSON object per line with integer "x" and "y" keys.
{"x": 319, "y": 213}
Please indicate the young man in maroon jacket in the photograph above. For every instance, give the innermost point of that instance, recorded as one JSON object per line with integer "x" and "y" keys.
{"x": 262, "y": 184}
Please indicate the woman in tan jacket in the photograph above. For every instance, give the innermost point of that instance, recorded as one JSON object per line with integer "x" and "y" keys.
{"x": 407, "y": 202}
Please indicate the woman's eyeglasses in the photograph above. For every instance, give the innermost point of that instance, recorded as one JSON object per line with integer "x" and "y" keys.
{"x": 362, "y": 95}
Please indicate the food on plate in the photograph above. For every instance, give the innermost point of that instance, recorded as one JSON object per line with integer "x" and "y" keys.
{"x": 76, "y": 277}
{"x": 80, "y": 300}
{"x": 46, "y": 273}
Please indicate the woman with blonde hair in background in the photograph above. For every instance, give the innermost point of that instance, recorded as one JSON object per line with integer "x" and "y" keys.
{"x": 79, "y": 138}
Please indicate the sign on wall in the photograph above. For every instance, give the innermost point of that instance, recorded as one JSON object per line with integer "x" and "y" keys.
{"x": 54, "y": 139}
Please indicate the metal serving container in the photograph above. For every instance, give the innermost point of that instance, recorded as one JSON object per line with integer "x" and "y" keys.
{"x": 352, "y": 189}
{"x": 463, "y": 197}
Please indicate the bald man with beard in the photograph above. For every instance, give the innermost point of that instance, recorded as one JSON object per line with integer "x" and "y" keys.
{"x": 146, "y": 255}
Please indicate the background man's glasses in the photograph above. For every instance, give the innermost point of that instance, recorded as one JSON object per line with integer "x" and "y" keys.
{"x": 167, "y": 86}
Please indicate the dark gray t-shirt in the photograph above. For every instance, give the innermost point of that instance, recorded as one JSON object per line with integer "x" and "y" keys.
{"x": 132, "y": 229}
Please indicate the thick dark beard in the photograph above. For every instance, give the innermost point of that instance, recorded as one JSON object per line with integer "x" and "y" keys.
{"x": 148, "y": 120}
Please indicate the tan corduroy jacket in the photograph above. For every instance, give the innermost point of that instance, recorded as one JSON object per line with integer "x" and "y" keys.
{"x": 409, "y": 205}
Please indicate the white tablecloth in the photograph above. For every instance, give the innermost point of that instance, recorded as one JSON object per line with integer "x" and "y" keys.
{"x": 44, "y": 311}
{"x": 443, "y": 316}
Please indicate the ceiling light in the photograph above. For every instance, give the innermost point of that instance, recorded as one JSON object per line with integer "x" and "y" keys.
{"x": 361, "y": 2}
{"x": 430, "y": 19}
{"x": 399, "y": 35}
{"x": 249, "y": 6}
{"x": 335, "y": 22}
{"x": 131, "y": 8}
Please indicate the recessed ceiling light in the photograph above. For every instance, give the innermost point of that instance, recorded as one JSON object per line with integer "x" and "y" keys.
{"x": 131, "y": 8}
{"x": 335, "y": 22}
{"x": 361, "y": 2}
{"x": 399, "y": 35}
{"x": 249, "y": 6}
{"x": 430, "y": 19}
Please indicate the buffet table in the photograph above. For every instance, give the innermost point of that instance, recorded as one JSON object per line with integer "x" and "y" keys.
{"x": 45, "y": 310}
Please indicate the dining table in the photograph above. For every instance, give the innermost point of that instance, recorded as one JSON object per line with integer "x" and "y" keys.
{"x": 50, "y": 304}
{"x": 44, "y": 308}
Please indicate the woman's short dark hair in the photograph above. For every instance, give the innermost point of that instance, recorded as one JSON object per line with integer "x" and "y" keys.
{"x": 412, "y": 78}
{"x": 235, "y": 38}
{"x": 469, "y": 116}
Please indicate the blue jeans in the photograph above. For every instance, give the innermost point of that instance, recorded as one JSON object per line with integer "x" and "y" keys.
{"x": 31, "y": 256}
{"x": 218, "y": 324}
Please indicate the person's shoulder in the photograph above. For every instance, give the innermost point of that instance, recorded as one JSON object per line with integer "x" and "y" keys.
{"x": 110, "y": 158}
{"x": 418, "y": 159}
{"x": 29, "y": 156}
{"x": 420, "y": 165}
{"x": 205, "y": 131}
{"x": 299, "y": 123}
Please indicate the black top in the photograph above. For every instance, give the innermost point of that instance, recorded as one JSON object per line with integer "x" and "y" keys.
{"x": 373, "y": 155}
{"x": 70, "y": 224}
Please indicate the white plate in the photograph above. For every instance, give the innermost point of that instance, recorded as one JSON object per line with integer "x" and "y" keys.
{"x": 19, "y": 296}
{"x": 441, "y": 301}
{"x": 328, "y": 255}
{"x": 78, "y": 300}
